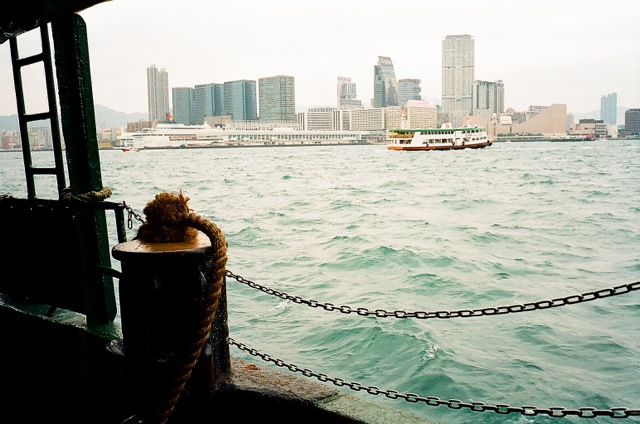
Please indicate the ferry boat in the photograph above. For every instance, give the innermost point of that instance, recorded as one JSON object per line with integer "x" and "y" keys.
{"x": 169, "y": 136}
{"x": 446, "y": 137}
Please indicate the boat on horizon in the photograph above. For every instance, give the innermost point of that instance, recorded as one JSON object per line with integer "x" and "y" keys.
{"x": 446, "y": 137}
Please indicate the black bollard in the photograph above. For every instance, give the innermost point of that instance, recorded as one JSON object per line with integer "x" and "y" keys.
{"x": 163, "y": 293}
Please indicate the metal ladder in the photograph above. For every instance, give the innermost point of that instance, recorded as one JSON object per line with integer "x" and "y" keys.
{"x": 74, "y": 238}
{"x": 24, "y": 118}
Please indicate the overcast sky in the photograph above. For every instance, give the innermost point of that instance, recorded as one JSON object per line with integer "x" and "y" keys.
{"x": 545, "y": 52}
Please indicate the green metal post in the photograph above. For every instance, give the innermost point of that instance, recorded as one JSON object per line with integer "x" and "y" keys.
{"x": 83, "y": 159}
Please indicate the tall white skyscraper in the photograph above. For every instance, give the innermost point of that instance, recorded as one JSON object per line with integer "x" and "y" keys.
{"x": 457, "y": 74}
{"x": 157, "y": 93}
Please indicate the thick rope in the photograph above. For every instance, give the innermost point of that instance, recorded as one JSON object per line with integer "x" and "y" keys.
{"x": 170, "y": 220}
{"x": 68, "y": 197}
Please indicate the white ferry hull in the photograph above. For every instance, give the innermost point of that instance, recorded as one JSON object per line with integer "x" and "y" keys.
{"x": 410, "y": 147}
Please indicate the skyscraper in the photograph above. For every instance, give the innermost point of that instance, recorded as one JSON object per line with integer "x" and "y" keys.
{"x": 209, "y": 101}
{"x": 408, "y": 89}
{"x": 457, "y": 73}
{"x": 385, "y": 86}
{"x": 277, "y": 99}
{"x": 609, "y": 108}
{"x": 488, "y": 98}
{"x": 240, "y": 100}
{"x": 183, "y": 105}
{"x": 347, "y": 94}
{"x": 157, "y": 93}
{"x": 632, "y": 122}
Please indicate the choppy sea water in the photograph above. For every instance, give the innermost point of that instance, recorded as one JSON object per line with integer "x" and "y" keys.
{"x": 422, "y": 231}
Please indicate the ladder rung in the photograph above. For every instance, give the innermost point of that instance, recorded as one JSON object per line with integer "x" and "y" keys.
{"x": 43, "y": 171}
{"x": 30, "y": 59}
{"x": 37, "y": 116}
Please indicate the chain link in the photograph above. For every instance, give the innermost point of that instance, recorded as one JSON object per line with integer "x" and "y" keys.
{"x": 463, "y": 313}
{"x": 554, "y": 411}
{"x": 131, "y": 215}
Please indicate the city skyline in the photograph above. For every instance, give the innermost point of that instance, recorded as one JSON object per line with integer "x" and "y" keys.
{"x": 570, "y": 52}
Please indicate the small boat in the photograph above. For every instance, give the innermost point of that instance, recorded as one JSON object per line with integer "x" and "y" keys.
{"x": 444, "y": 138}
{"x": 130, "y": 149}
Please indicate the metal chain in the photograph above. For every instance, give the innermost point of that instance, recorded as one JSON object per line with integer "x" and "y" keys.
{"x": 463, "y": 313}
{"x": 131, "y": 215}
{"x": 554, "y": 411}
{"x": 585, "y": 412}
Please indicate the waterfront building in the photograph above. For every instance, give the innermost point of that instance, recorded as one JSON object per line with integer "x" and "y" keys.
{"x": 10, "y": 140}
{"x": 238, "y": 133}
{"x": 385, "y": 85}
{"x": 632, "y": 123}
{"x": 347, "y": 96}
{"x": 416, "y": 114}
{"x": 370, "y": 119}
{"x": 548, "y": 121}
{"x": 420, "y": 114}
{"x": 457, "y": 76}
{"x": 609, "y": 108}
{"x": 157, "y": 93}
{"x": 342, "y": 118}
{"x": 40, "y": 137}
{"x": 318, "y": 119}
{"x": 183, "y": 105}
{"x": 516, "y": 117}
{"x": 487, "y": 98}
{"x": 535, "y": 109}
{"x": 596, "y": 128}
{"x": 277, "y": 99}
{"x": 408, "y": 89}
{"x": 393, "y": 117}
{"x": 612, "y": 131}
{"x": 240, "y": 100}
{"x": 209, "y": 101}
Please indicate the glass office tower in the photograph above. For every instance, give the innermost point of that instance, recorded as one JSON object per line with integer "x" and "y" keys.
{"x": 385, "y": 85}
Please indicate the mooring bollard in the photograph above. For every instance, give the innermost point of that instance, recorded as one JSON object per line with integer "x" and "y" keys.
{"x": 163, "y": 302}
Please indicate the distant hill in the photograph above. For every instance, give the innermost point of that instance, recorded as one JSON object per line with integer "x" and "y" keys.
{"x": 9, "y": 123}
{"x": 109, "y": 118}
{"x": 105, "y": 118}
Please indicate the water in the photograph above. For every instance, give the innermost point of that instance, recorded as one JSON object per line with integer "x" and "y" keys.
{"x": 422, "y": 231}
